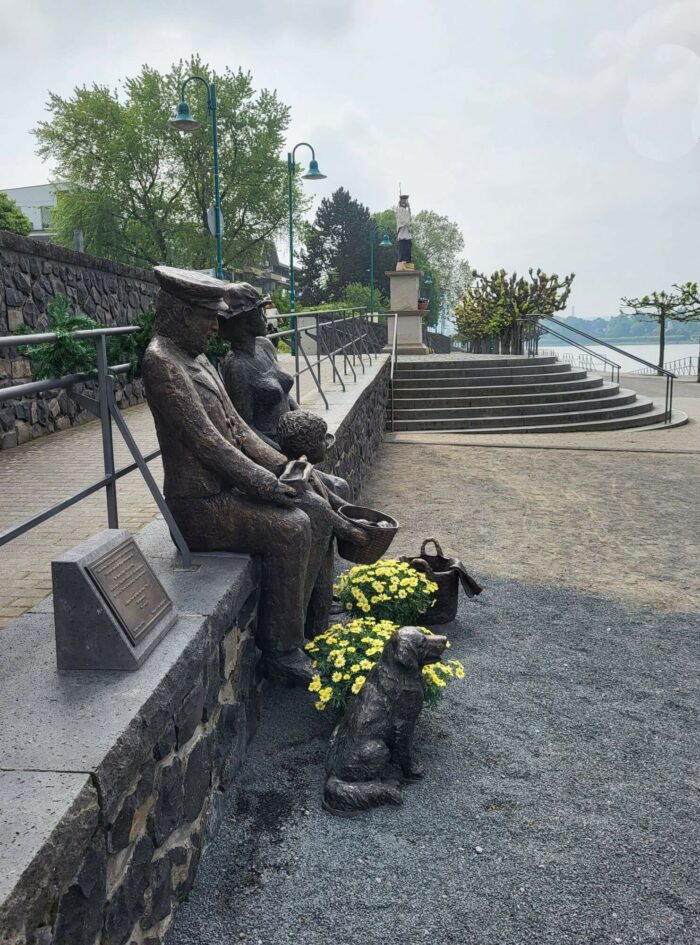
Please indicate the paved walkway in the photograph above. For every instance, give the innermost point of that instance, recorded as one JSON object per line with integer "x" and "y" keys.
{"x": 41, "y": 473}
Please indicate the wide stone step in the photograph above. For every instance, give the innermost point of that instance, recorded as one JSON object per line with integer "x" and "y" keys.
{"x": 554, "y": 420}
{"x": 509, "y": 380}
{"x": 653, "y": 419}
{"x": 542, "y": 394}
{"x": 467, "y": 414}
{"x": 436, "y": 363}
{"x": 427, "y": 377}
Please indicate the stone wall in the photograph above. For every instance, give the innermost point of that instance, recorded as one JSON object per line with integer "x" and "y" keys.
{"x": 359, "y": 434}
{"x": 114, "y": 781}
{"x": 31, "y": 275}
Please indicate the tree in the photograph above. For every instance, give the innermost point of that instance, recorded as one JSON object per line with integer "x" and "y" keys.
{"x": 681, "y": 305}
{"x": 337, "y": 248}
{"x": 495, "y": 304}
{"x": 11, "y": 217}
{"x": 139, "y": 190}
{"x": 442, "y": 243}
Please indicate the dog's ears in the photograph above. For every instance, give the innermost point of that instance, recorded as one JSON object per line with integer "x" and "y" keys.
{"x": 405, "y": 653}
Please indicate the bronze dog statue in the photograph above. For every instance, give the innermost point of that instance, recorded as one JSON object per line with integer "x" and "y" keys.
{"x": 370, "y": 752}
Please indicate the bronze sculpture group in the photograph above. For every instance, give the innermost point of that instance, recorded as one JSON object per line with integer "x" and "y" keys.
{"x": 221, "y": 476}
{"x": 238, "y": 457}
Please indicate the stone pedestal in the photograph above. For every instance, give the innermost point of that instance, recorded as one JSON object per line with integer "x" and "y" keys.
{"x": 404, "y": 287}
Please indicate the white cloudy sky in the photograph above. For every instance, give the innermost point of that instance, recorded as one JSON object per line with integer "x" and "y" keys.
{"x": 558, "y": 133}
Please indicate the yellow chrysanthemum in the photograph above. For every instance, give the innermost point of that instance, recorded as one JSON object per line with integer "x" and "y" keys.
{"x": 315, "y": 684}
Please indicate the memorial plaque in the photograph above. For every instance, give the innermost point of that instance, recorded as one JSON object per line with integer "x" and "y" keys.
{"x": 135, "y": 595}
{"x": 110, "y": 609}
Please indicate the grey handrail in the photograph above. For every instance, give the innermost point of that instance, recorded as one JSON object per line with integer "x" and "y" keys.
{"x": 669, "y": 375}
{"x": 614, "y": 366}
{"x": 393, "y": 364}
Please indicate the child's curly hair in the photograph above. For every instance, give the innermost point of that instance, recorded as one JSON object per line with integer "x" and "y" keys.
{"x": 300, "y": 433}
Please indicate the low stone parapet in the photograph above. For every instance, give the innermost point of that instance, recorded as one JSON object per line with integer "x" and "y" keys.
{"x": 111, "y": 782}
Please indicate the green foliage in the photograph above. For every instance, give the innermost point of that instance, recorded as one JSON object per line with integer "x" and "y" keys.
{"x": 140, "y": 190}
{"x": 681, "y": 305}
{"x": 11, "y": 217}
{"x": 356, "y": 295}
{"x": 65, "y": 355}
{"x": 136, "y": 344}
{"x": 337, "y": 248}
{"x": 280, "y": 299}
{"x": 493, "y": 304}
{"x": 218, "y": 349}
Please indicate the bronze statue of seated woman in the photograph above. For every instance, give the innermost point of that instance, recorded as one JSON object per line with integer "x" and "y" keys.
{"x": 221, "y": 480}
{"x": 258, "y": 387}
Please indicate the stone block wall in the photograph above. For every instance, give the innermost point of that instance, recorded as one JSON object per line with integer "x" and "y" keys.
{"x": 358, "y": 436}
{"x": 31, "y": 275}
{"x": 114, "y": 850}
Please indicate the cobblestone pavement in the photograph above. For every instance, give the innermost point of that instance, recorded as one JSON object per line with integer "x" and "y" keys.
{"x": 41, "y": 473}
{"x": 612, "y": 513}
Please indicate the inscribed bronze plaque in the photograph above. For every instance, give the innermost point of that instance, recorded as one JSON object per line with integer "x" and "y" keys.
{"x": 133, "y": 592}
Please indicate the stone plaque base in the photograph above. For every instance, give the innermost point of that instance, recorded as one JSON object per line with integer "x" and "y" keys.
{"x": 110, "y": 610}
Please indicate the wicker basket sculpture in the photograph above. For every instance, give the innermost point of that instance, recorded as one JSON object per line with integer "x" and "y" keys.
{"x": 381, "y": 536}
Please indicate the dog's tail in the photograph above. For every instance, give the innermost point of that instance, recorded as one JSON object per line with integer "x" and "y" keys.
{"x": 348, "y": 798}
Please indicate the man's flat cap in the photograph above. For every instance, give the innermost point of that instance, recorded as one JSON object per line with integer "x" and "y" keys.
{"x": 194, "y": 288}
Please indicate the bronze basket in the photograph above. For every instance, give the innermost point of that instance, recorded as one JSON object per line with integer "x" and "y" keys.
{"x": 380, "y": 538}
{"x": 447, "y": 595}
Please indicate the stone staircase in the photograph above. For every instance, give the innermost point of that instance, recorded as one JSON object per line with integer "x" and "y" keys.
{"x": 486, "y": 394}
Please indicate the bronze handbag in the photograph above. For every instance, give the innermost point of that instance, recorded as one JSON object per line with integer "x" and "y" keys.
{"x": 448, "y": 574}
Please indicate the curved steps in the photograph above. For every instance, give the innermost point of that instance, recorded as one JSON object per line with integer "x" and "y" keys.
{"x": 518, "y": 395}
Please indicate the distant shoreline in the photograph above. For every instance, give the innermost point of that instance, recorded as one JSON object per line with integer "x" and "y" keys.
{"x": 558, "y": 343}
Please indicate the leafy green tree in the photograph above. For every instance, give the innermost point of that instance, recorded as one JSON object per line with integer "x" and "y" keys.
{"x": 493, "y": 305}
{"x": 12, "y": 218}
{"x": 139, "y": 190}
{"x": 337, "y": 248}
{"x": 681, "y": 305}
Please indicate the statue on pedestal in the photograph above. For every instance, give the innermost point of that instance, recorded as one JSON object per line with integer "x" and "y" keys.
{"x": 221, "y": 479}
{"x": 404, "y": 236}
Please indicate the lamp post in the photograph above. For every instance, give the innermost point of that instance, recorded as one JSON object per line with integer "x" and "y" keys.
{"x": 185, "y": 123}
{"x": 313, "y": 173}
{"x": 385, "y": 241}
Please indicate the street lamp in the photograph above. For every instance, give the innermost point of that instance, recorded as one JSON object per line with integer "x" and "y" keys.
{"x": 183, "y": 122}
{"x": 313, "y": 173}
{"x": 385, "y": 241}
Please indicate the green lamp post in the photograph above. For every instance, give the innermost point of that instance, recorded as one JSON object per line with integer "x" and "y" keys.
{"x": 313, "y": 173}
{"x": 183, "y": 122}
{"x": 385, "y": 241}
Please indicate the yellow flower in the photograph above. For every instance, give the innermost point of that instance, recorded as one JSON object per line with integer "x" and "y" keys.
{"x": 402, "y": 594}
{"x": 358, "y": 684}
{"x": 346, "y": 676}
{"x": 325, "y": 694}
{"x": 336, "y": 677}
{"x": 355, "y": 668}
{"x": 366, "y": 664}
{"x": 339, "y": 661}
{"x": 459, "y": 673}
{"x": 320, "y": 706}
{"x": 315, "y": 684}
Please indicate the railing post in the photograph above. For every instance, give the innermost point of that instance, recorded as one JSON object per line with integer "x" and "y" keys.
{"x": 103, "y": 382}
{"x": 296, "y": 357}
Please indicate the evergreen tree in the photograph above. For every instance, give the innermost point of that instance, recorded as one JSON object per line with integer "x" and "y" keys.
{"x": 337, "y": 249}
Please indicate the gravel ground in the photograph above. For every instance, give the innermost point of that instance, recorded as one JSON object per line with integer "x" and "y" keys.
{"x": 559, "y": 803}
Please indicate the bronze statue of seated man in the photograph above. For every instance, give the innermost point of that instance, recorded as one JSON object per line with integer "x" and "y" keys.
{"x": 258, "y": 387}
{"x": 221, "y": 479}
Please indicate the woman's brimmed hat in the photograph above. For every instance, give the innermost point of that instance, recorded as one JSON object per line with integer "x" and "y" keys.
{"x": 242, "y": 297}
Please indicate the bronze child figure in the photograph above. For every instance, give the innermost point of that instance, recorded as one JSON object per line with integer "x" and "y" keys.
{"x": 370, "y": 751}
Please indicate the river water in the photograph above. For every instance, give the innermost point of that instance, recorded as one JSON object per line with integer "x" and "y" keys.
{"x": 650, "y": 353}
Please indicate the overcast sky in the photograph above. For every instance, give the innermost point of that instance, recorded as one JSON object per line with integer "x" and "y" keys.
{"x": 557, "y": 133}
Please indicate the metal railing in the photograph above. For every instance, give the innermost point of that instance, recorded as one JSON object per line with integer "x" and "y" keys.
{"x": 105, "y": 407}
{"x": 669, "y": 375}
{"x": 681, "y": 367}
{"x": 394, "y": 357}
{"x": 336, "y": 333}
{"x": 353, "y": 341}
{"x": 587, "y": 360}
